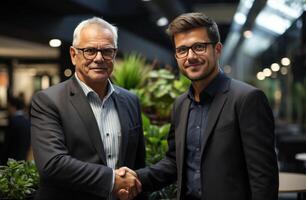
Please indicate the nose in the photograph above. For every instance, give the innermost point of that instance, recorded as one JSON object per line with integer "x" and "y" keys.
{"x": 99, "y": 56}
{"x": 191, "y": 54}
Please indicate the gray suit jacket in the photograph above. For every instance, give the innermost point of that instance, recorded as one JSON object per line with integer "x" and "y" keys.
{"x": 67, "y": 145}
{"x": 238, "y": 159}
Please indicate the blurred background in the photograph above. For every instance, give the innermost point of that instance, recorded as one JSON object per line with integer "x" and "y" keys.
{"x": 264, "y": 45}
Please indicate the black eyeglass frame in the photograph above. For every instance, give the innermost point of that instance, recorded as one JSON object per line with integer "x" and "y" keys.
{"x": 192, "y": 46}
{"x": 97, "y": 50}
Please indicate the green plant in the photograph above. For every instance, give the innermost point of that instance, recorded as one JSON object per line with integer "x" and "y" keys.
{"x": 156, "y": 147}
{"x": 18, "y": 179}
{"x": 131, "y": 72}
{"x": 156, "y": 140}
{"x": 159, "y": 92}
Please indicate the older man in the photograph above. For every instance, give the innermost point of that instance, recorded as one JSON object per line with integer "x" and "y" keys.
{"x": 83, "y": 128}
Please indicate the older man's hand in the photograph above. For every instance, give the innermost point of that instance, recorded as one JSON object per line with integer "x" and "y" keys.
{"x": 127, "y": 186}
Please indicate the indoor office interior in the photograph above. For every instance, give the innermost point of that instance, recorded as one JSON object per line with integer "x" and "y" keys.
{"x": 264, "y": 44}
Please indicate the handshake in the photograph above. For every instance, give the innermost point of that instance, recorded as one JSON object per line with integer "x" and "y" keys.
{"x": 127, "y": 186}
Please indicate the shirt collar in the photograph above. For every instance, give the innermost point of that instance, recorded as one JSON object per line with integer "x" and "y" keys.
{"x": 86, "y": 89}
{"x": 211, "y": 90}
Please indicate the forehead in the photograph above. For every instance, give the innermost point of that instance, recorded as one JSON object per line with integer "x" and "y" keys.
{"x": 189, "y": 37}
{"x": 96, "y": 35}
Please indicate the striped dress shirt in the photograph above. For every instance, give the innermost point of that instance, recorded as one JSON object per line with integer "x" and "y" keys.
{"x": 108, "y": 122}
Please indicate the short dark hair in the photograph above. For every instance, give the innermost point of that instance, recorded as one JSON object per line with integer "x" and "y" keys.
{"x": 188, "y": 21}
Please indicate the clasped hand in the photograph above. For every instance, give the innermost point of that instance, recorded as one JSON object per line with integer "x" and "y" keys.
{"x": 127, "y": 186}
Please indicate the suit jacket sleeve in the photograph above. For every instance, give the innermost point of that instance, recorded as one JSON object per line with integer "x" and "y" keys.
{"x": 256, "y": 123}
{"x": 52, "y": 156}
{"x": 164, "y": 172}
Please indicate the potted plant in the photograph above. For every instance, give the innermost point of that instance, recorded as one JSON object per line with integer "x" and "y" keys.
{"x": 18, "y": 180}
{"x": 131, "y": 72}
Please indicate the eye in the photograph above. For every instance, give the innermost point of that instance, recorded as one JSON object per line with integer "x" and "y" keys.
{"x": 181, "y": 50}
{"x": 90, "y": 51}
{"x": 108, "y": 51}
{"x": 199, "y": 47}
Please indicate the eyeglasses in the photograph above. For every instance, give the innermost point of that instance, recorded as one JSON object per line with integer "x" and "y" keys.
{"x": 197, "y": 48}
{"x": 91, "y": 53}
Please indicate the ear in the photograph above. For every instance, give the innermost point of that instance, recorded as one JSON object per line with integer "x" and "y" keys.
{"x": 73, "y": 55}
{"x": 218, "y": 49}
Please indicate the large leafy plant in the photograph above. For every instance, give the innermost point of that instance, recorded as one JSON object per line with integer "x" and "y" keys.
{"x": 131, "y": 72}
{"x": 156, "y": 140}
{"x": 159, "y": 93}
{"x": 18, "y": 179}
{"x": 156, "y": 147}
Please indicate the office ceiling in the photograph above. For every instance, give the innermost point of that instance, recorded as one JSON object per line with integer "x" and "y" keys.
{"x": 37, "y": 20}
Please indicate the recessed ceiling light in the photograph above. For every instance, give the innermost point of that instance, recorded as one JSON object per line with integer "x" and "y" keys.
{"x": 55, "y": 43}
{"x": 163, "y": 21}
{"x": 248, "y": 34}
{"x": 285, "y": 61}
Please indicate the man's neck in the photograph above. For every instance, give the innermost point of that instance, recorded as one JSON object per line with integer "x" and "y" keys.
{"x": 200, "y": 85}
{"x": 100, "y": 88}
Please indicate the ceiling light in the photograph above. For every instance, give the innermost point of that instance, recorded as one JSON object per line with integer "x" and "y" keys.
{"x": 248, "y": 3}
{"x": 285, "y": 61}
{"x": 163, "y": 21}
{"x": 267, "y": 72}
{"x": 240, "y": 18}
{"x": 283, "y": 8}
{"x": 248, "y": 34}
{"x": 273, "y": 22}
{"x": 55, "y": 43}
{"x": 275, "y": 67}
{"x": 260, "y": 76}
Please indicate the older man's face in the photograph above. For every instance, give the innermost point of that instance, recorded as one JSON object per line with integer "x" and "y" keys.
{"x": 97, "y": 70}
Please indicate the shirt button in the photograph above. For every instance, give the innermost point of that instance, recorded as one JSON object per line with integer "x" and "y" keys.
{"x": 198, "y": 171}
{"x": 107, "y": 134}
{"x": 197, "y": 149}
{"x": 198, "y": 126}
{"x": 109, "y": 156}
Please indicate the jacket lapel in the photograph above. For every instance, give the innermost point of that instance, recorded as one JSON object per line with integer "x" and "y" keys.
{"x": 80, "y": 103}
{"x": 124, "y": 122}
{"x": 181, "y": 132}
{"x": 214, "y": 112}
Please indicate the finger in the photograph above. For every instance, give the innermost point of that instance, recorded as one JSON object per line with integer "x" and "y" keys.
{"x": 129, "y": 170}
{"x": 133, "y": 192}
{"x": 123, "y": 194}
{"x": 138, "y": 185}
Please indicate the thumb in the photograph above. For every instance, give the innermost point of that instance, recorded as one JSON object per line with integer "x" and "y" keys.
{"x": 121, "y": 171}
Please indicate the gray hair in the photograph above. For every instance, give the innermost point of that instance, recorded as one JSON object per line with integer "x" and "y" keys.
{"x": 98, "y": 21}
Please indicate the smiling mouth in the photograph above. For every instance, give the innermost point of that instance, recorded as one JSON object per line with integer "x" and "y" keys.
{"x": 99, "y": 68}
{"x": 194, "y": 65}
